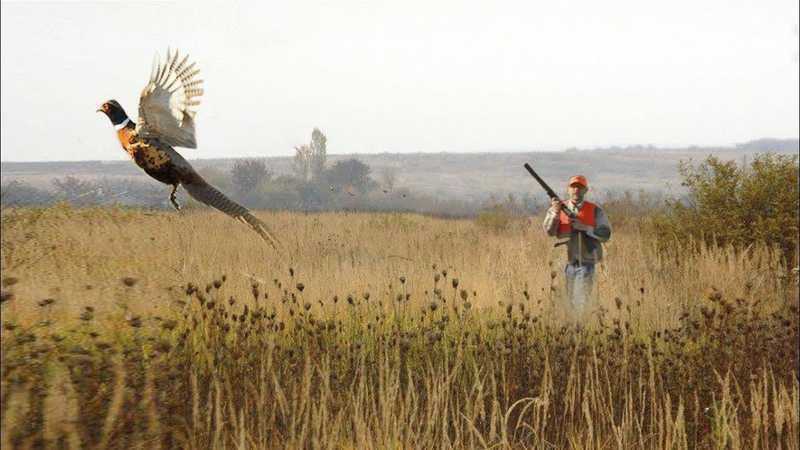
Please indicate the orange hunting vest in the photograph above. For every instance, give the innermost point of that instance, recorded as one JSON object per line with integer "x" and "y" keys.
{"x": 585, "y": 216}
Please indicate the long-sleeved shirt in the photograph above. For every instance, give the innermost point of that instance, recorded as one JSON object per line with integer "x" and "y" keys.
{"x": 580, "y": 247}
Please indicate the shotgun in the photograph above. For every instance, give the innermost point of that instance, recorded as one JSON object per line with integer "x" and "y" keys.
{"x": 550, "y": 192}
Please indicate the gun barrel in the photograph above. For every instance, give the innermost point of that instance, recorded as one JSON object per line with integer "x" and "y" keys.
{"x": 544, "y": 185}
{"x": 550, "y": 192}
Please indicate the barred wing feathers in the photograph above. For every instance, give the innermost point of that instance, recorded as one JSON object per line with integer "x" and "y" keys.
{"x": 203, "y": 192}
{"x": 167, "y": 105}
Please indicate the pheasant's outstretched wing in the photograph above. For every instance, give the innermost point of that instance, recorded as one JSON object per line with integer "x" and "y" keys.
{"x": 167, "y": 105}
{"x": 203, "y": 192}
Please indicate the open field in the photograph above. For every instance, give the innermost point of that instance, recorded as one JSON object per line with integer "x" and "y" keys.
{"x": 128, "y": 329}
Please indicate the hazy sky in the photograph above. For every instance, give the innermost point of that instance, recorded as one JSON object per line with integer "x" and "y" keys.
{"x": 407, "y": 75}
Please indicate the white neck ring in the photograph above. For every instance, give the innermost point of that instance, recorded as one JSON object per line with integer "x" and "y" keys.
{"x": 122, "y": 125}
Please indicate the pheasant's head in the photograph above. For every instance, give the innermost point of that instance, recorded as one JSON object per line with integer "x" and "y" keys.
{"x": 114, "y": 111}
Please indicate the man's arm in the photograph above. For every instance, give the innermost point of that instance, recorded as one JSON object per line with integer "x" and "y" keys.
{"x": 602, "y": 227}
{"x": 551, "y": 218}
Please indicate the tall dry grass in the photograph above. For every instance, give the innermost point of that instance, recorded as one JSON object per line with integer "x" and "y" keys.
{"x": 125, "y": 328}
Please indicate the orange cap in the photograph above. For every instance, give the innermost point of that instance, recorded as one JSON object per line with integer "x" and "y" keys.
{"x": 578, "y": 179}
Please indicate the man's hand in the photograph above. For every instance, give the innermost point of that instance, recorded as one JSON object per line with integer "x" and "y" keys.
{"x": 555, "y": 205}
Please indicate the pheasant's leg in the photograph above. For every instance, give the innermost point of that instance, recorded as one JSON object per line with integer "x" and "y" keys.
{"x": 172, "y": 198}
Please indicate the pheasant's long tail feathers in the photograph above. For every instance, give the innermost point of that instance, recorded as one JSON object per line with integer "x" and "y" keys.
{"x": 208, "y": 194}
{"x": 262, "y": 229}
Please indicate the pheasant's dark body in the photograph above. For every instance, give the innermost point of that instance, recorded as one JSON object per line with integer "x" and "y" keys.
{"x": 154, "y": 157}
{"x": 166, "y": 120}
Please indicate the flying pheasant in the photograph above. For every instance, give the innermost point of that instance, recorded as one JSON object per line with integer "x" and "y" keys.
{"x": 167, "y": 108}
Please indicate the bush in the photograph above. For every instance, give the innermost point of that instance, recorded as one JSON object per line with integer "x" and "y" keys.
{"x": 628, "y": 208}
{"x": 497, "y": 218}
{"x": 77, "y": 191}
{"x": 737, "y": 205}
{"x": 18, "y": 193}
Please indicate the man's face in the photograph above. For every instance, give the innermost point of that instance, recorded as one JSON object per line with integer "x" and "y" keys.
{"x": 576, "y": 192}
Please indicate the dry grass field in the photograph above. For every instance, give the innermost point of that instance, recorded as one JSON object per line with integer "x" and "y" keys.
{"x": 127, "y": 329}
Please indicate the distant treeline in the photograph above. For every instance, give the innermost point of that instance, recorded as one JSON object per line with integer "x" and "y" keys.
{"x": 313, "y": 185}
{"x": 263, "y": 192}
{"x": 757, "y": 145}
{"x": 347, "y": 185}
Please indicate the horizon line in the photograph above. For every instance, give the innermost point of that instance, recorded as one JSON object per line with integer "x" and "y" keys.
{"x": 463, "y": 152}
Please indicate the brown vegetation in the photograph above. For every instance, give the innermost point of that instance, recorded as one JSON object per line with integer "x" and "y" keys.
{"x": 163, "y": 330}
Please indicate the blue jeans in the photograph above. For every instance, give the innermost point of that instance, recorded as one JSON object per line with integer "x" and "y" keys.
{"x": 580, "y": 280}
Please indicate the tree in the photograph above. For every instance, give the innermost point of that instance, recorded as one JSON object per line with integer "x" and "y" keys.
{"x": 319, "y": 154}
{"x": 302, "y": 163}
{"x": 351, "y": 172}
{"x": 78, "y": 192}
{"x": 249, "y": 174}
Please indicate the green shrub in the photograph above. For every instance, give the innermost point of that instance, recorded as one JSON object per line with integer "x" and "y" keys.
{"x": 738, "y": 205}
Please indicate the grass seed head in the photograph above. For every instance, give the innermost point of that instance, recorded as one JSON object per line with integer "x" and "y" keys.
{"x": 103, "y": 345}
{"x": 190, "y": 288}
{"x": 713, "y": 294}
{"x": 6, "y": 296}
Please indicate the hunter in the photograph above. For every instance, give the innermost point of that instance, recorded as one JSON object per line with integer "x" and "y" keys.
{"x": 585, "y": 233}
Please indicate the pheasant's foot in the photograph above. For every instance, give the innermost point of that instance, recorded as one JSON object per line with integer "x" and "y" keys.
{"x": 173, "y": 199}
